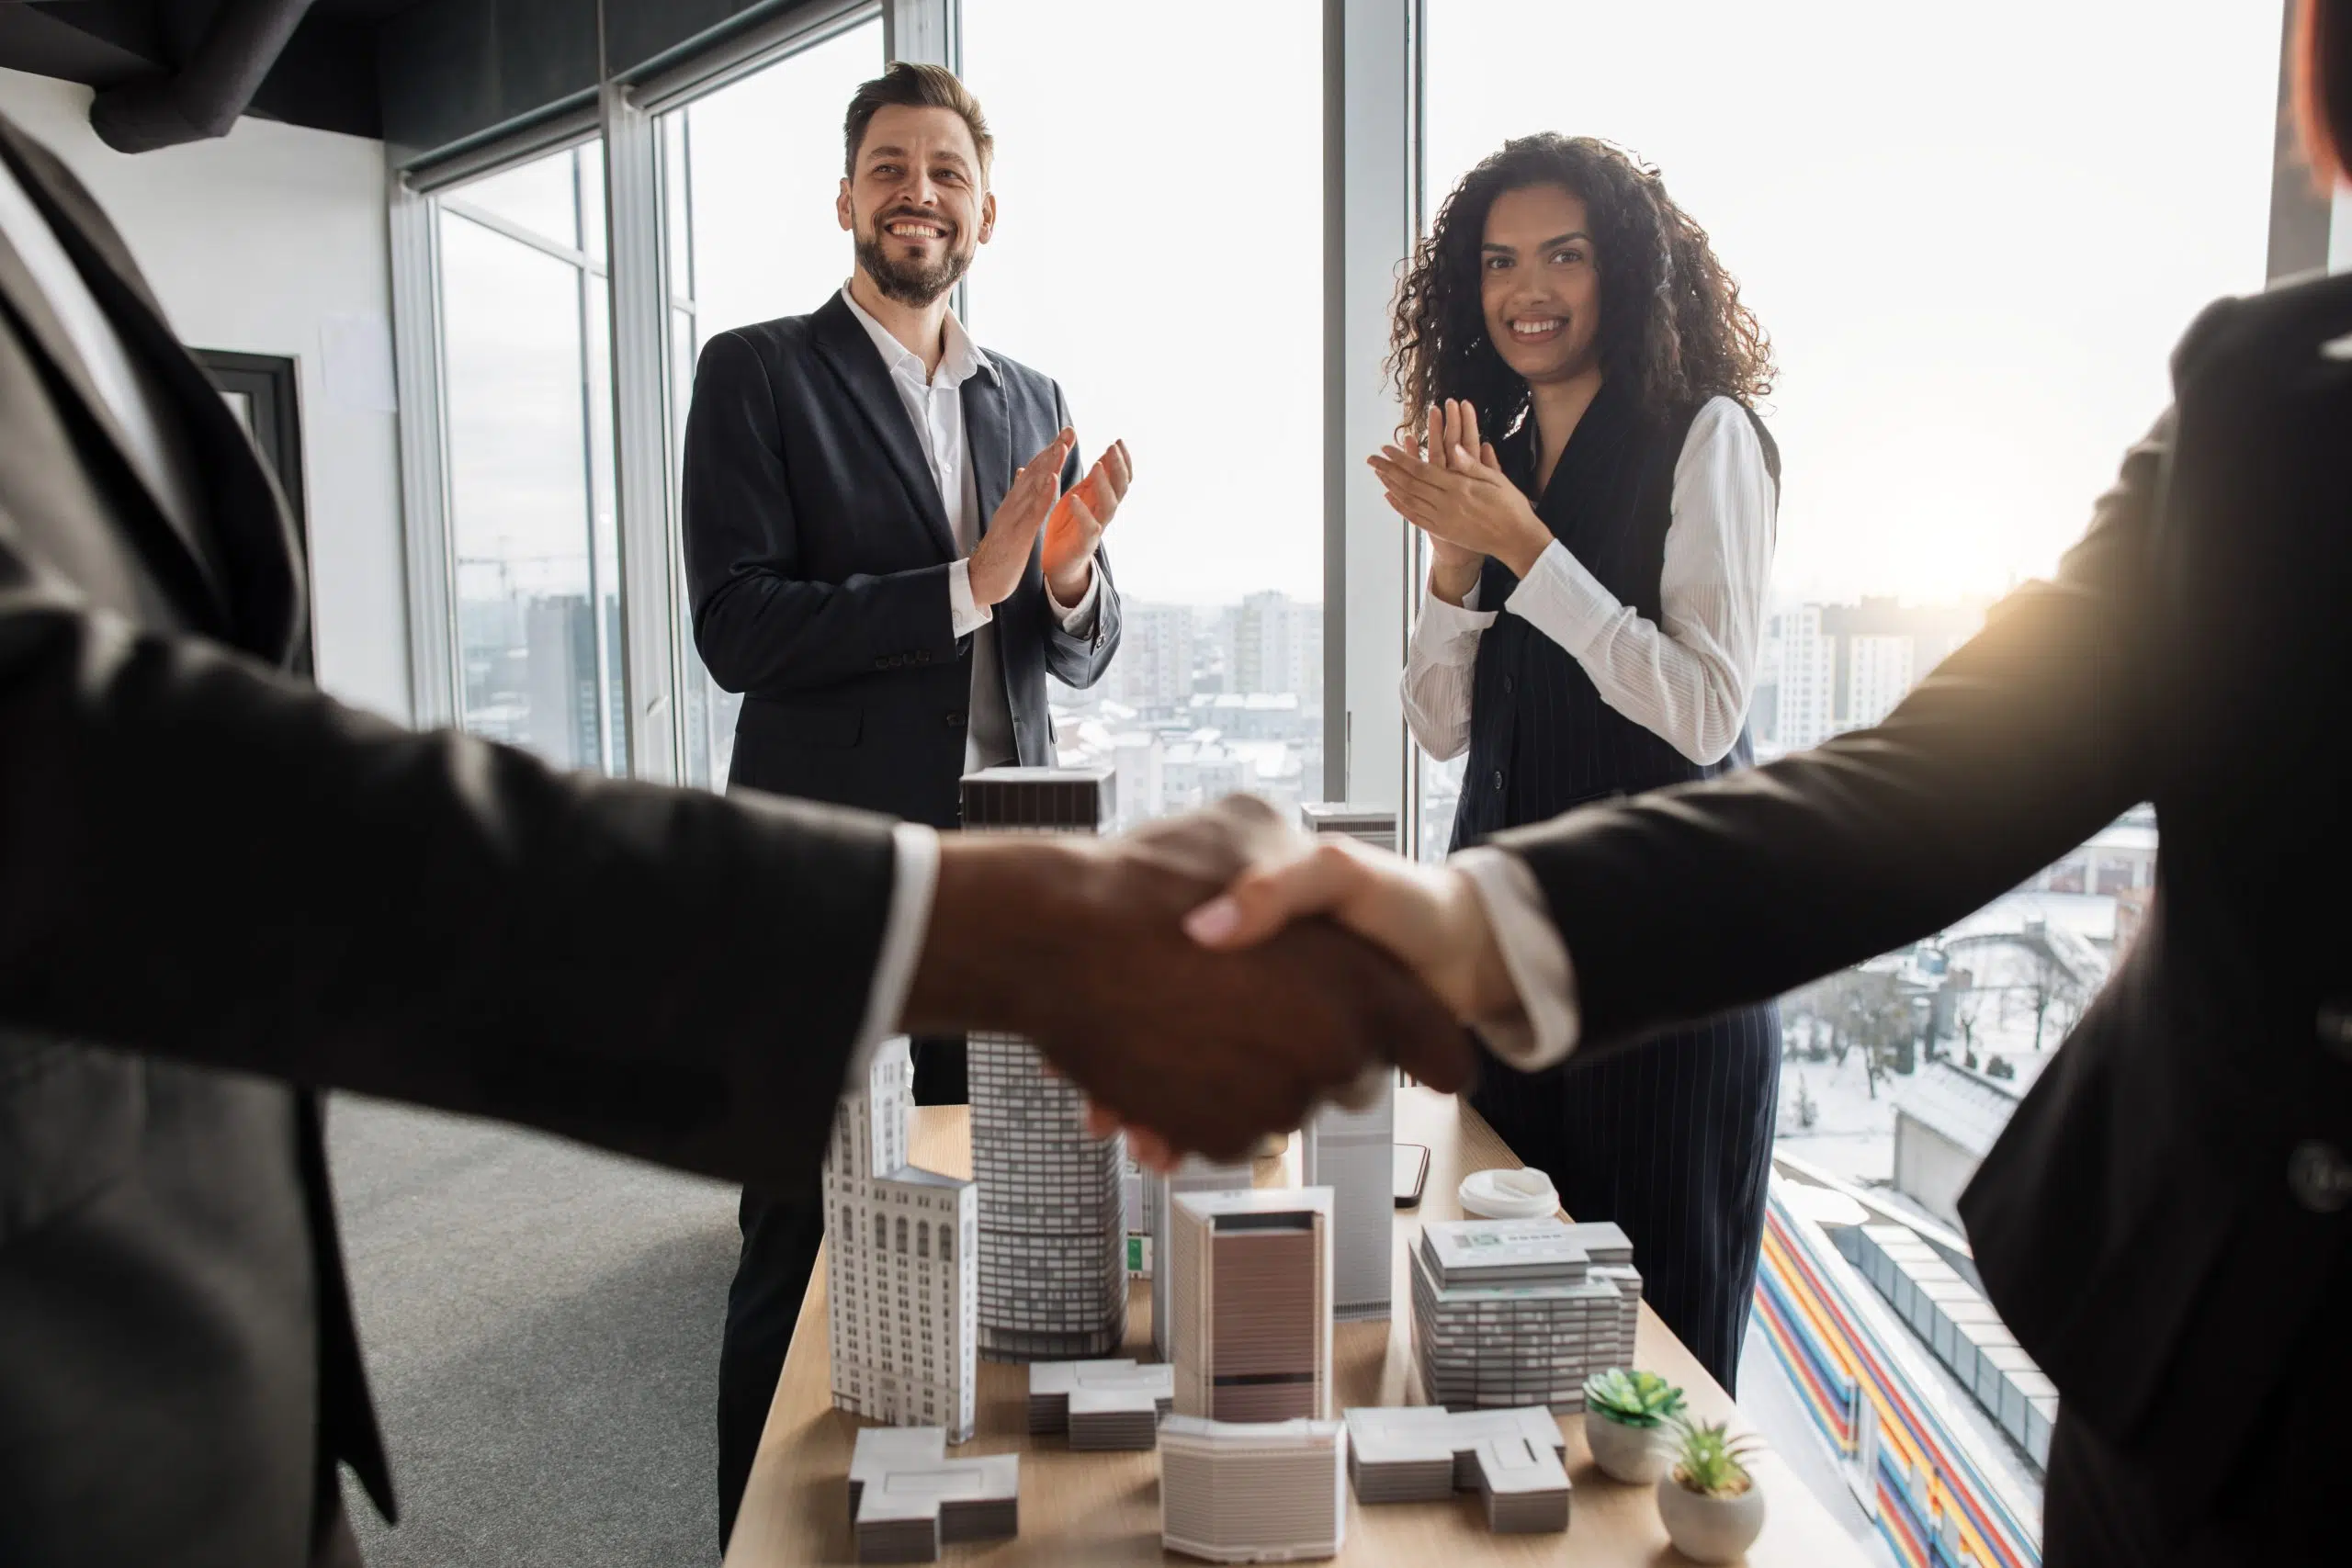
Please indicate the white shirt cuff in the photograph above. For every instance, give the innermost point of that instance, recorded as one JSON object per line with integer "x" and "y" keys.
{"x": 1448, "y": 634}
{"x": 1563, "y": 600}
{"x": 1546, "y": 1028}
{"x": 1079, "y": 616}
{"x": 916, "y": 850}
{"x": 964, "y": 616}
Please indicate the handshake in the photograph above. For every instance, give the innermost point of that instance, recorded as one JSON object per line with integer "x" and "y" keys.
{"x": 1209, "y": 977}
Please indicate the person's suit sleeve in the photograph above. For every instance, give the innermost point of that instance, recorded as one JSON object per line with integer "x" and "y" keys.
{"x": 204, "y": 860}
{"x": 1080, "y": 659}
{"x": 2023, "y": 743}
{"x": 759, "y": 625}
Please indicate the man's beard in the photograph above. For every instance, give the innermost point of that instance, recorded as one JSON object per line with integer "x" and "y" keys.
{"x": 909, "y": 282}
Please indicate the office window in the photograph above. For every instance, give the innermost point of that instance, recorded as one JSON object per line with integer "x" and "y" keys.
{"x": 1159, "y": 252}
{"x": 526, "y": 349}
{"x": 750, "y": 172}
{"x": 1973, "y": 236}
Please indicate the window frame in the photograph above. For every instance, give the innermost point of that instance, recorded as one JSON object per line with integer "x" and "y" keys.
{"x": 1373, "y": 70}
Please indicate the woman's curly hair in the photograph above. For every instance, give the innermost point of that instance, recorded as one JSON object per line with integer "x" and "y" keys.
{"x": 1672, "y": 328}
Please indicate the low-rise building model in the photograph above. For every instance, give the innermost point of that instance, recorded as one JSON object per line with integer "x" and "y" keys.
{"x": 1053, "y": 1232}
{"x": 1509, "y": 1312}
{"x": 1101, "y": 1405}
{"x": 902, "y": 1275}
{"x": 1253, "y": 1490}
{"x": 1425, "y": 1453}
{"x": 1249, "y": 1303}
{"x": 906, "y": 1499}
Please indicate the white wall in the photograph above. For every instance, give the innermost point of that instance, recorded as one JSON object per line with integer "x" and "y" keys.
{"x": 255, "y": 243}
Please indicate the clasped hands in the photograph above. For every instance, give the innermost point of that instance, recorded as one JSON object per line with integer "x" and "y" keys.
{"x": 1454, "y": 490}
{"x": 1208, "y": 979}
{"x": 1071, "y": 521}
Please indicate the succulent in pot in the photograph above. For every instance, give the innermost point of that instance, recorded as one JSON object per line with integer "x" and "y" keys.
{"x": 1708, "y": 1501}
{"x": 1626, "y": 1415}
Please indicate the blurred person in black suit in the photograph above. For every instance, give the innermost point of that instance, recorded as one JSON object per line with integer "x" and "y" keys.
{"x": 221, "y": 892}
{"x": 870, "y": 569}
{"x": 2166, "y": 1222}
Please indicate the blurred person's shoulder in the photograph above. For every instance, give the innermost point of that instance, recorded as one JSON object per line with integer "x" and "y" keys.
{"x": 2297, "y": 327}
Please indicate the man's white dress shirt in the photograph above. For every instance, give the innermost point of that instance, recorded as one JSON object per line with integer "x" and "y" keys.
{"x": 1684, "y": 678}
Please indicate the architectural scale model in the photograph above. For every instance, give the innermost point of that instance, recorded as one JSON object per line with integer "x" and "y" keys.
{"x": 1253, "y": 1490}
{"x": 1053, "y": 1233}
{"x": 1352, "y": 1152}
{"x": 1101, "y": 1405}
{"x": 1160, "y": 1194}
{"x": 1509, "y": 1312}
{"x": 1425, "y": 1453}
{"x": 901, "y": 1270}
{"x": 1249, "y": 1303}
{"x": 1375, "y": 826}
{"x": 906, "y": 1499}
{"x": 1352, "y": 1149}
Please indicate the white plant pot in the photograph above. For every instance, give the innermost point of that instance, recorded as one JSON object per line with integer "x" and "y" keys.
{"x": 1709, "y": 1530}
{"x": 1634, "y": 1454}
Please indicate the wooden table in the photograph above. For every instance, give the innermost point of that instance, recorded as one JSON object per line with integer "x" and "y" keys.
{"x": 1096, "y": 1509}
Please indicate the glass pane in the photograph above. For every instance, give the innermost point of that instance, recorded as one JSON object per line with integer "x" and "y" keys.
{"x": 604, "y": 556}
{"x": 1211, "y": 371}
{"x": 763, "y": 166}
{"x": 750, "y": 174}
{"x": 528, "y": 400}
{"x": 541, "y": 196}
{"x": 591, "y": 200}
{"x": 1973, "y": 235}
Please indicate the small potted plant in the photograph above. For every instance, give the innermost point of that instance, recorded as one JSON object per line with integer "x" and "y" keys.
{"x": 1625, "y": 1414}
{"x": 1711, "y": 1504}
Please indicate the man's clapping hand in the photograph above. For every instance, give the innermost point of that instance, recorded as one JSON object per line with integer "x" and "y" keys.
{"x": 1003, "y": 554}
{"x": 1080, "y": 945}
{"x": 1078, "y": 520}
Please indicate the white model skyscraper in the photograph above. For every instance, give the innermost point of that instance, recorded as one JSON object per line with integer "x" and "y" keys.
{"x": 1249, "y": 1303}
{"x": 901, "y": 1267}
{"x": 1053, "y": 1230}
{"x": 1352, "y": 1152}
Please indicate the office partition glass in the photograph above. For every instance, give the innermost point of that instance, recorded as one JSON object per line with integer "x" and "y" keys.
{"x": 750, "y": 172}
{"x": 527, "y": 391}
{"x": 1159, "y": 252}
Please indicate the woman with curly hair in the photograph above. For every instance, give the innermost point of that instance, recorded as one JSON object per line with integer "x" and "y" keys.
{"x": 1599, "y": 502}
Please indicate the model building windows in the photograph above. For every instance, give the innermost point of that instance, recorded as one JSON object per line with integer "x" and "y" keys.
{"x": 922, "y": 1240}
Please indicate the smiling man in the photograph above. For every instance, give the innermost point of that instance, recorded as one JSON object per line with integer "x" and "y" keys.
{"x": 889, "y": 542}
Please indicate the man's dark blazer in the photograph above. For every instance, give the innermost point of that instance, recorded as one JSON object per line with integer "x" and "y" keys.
{"x": 2160, "y": 1222}
{"x": 246, "y": 893}
{"x": 817, "y": 555}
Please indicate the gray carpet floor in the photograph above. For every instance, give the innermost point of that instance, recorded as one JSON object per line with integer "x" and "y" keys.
{"x": 541, "y": 1323}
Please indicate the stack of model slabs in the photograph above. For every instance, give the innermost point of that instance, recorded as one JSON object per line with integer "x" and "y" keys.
{"x": 906, "y": 1499}
{"x": 1425, "y": 1453}
{"x": 1053, "y": 1264}
{"x": 1101, "y": 1405}
{"x": 1253, "y": 1490}
{"x": 1510, "y": 1313}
